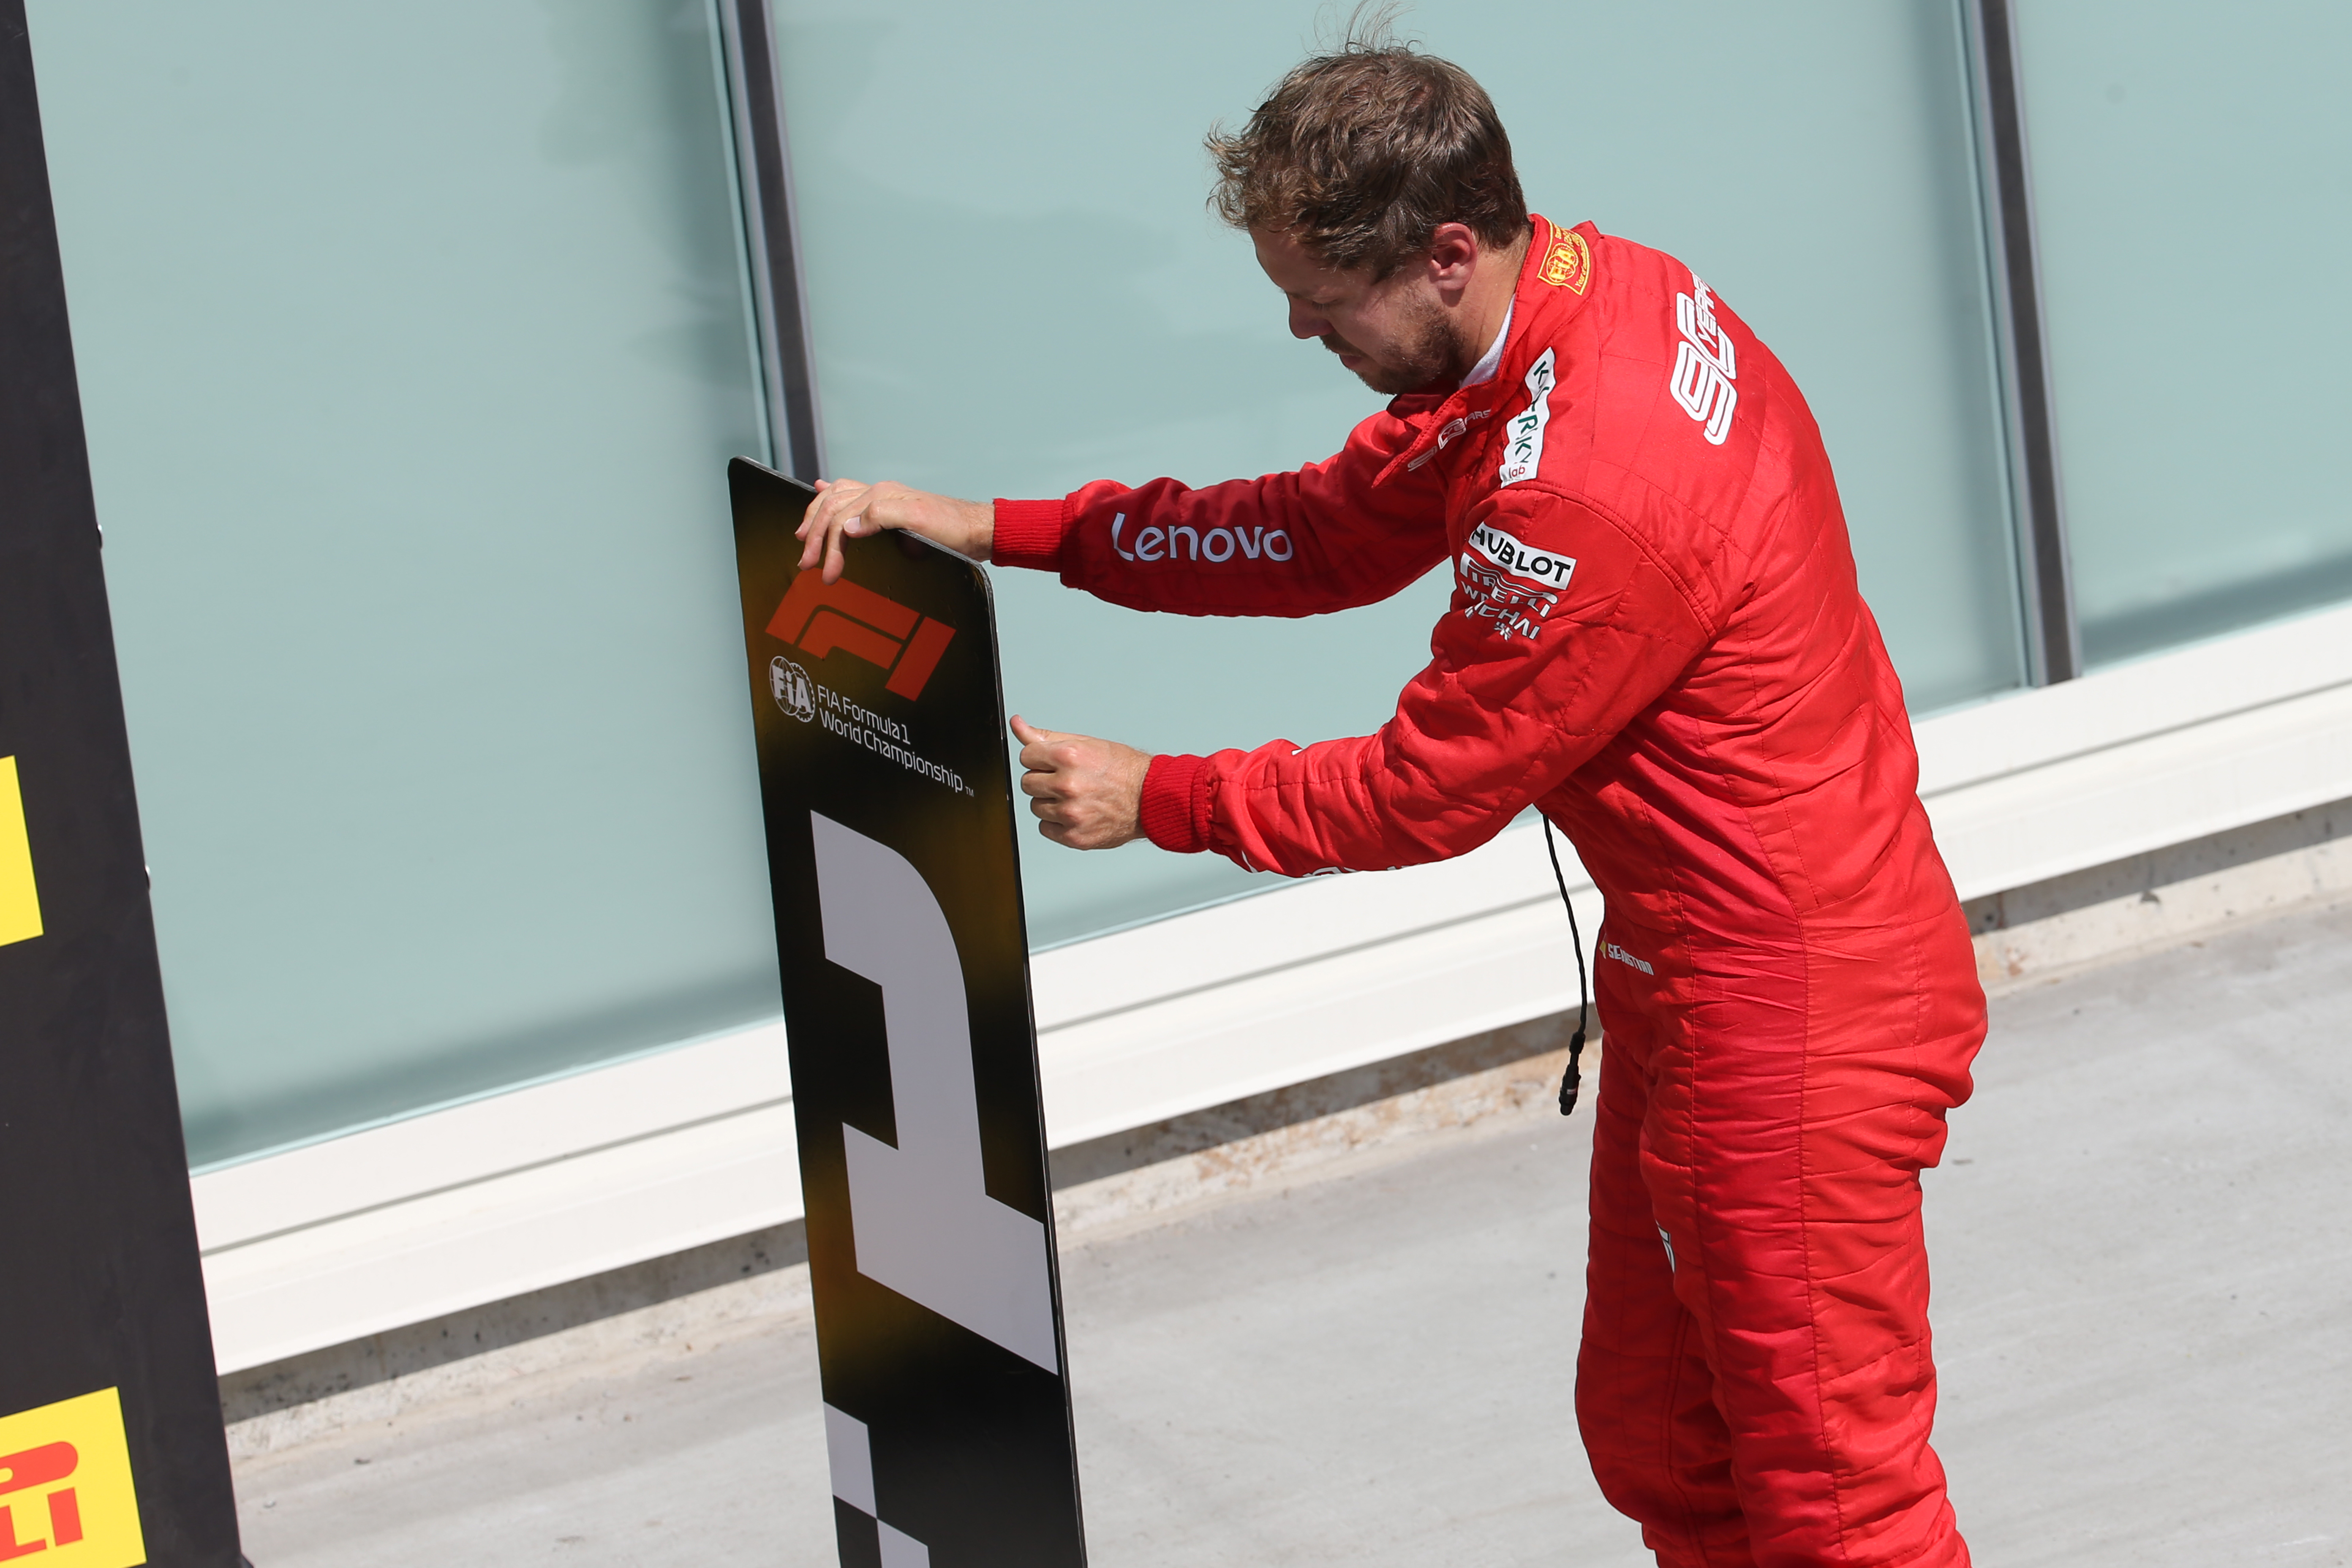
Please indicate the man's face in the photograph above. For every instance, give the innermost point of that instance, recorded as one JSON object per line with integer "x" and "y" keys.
{"x": 1394, "y": 334}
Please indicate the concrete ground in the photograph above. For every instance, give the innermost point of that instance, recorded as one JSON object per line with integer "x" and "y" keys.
{"x": 2143, "y": 1245}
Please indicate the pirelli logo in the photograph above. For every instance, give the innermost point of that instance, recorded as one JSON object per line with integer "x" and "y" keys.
{"x": 20, "y": 897}
{"x": 64, "y": 1486}
{"x": 818, "y": 617}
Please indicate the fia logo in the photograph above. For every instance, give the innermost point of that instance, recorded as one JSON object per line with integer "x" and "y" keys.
{"x": 1705, "y": 363}
{"x": 795, "y": 693}
{"x": 818, "y": 616}
{"x": 64, "y": 1486}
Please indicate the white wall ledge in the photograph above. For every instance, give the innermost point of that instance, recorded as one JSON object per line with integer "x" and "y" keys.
{"x": 499, "y": 1196}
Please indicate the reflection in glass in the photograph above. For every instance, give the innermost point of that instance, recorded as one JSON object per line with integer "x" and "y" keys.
{"x": 412, "y": 348}
{"x": 2192, "y": 171}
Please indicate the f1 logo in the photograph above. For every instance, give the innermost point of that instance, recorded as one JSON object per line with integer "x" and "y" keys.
{"x": 64, "y": 1486}
{"x": 20, "y": 900}
{"x": 819, "y": 616}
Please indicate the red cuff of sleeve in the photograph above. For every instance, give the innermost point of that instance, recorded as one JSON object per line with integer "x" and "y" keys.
{"x": 1175, "y": 808}
{"x": 1029, "y": 534}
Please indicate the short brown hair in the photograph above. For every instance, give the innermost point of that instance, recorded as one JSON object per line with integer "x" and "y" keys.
{"x": 1362, "y": 151}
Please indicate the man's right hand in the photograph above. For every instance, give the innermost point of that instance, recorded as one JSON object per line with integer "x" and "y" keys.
{"x": 847, "y": 509}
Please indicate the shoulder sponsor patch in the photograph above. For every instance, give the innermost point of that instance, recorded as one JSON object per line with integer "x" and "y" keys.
{"x": 1523, "y": 438}
{"x": 1567, "y": 262}
{"x": 1511, "y": 584}
{"x": 1522, "y": 559}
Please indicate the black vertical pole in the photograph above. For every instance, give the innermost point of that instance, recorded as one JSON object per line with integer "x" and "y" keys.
{"x": 763, "y": 166}
{"x": 101, "y": 1300}
{"x": 2055, "y": 642}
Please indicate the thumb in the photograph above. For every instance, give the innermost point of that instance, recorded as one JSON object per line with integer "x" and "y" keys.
{"x": 1030, "y": 734}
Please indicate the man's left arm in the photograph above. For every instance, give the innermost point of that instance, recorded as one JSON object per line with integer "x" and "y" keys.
{"x": 1531, "y": 676}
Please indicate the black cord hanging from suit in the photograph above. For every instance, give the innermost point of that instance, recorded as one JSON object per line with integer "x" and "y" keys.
{"x": 1573, "y": 1079}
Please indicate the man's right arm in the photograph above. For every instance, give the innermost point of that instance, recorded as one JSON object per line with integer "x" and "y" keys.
{"x": 848, "y": 509}
{"x": 1326, "y": 537}
{"x": 1329, "y": 536}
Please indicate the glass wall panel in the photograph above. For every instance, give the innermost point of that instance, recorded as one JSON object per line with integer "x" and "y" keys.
{"x": 2192, "y": 173}
{"x": 412, "y": 341}
{"x": 1016, "y": 289}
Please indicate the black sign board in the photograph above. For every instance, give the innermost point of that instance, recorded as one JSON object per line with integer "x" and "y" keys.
{"x": 112, "y": 1452}
{"x": 888, "y": 797}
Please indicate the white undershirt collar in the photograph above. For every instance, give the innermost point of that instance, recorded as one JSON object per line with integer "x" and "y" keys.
{"x": 1485, "y": 368}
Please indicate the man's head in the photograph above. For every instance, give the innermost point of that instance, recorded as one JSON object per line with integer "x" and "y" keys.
{"x": 1377, "y": 184}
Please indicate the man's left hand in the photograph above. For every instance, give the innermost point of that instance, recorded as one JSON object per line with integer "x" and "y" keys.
{"x": 1087, "y": 794}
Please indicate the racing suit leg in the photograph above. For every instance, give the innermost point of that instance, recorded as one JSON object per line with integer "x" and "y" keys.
{"x": 1644, "y": 1393}
{"x": 1768, "y": 1108}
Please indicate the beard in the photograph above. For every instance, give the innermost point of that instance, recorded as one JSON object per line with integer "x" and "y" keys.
{"x": 1428, "y": 351}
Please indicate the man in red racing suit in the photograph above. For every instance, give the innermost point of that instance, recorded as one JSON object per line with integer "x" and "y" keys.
{"x": 1654, "y": 637}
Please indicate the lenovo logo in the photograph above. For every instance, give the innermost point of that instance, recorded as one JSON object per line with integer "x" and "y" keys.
{"x": 818, "y": 616}
{"x": 1217, "y": 544}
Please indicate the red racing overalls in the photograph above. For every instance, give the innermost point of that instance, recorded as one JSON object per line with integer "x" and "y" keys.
{"x": 1655, "y": 637}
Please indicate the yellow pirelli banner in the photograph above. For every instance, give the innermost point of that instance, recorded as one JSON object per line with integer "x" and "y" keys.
{"x": 65, "y": 1485}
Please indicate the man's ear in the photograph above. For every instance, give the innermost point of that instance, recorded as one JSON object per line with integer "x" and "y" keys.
{"x": 1453, "y": 257}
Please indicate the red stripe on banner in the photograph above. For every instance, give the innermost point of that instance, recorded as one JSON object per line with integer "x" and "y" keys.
{"x": 931, "y": 639}
{"x": 810, "y": 593}
{"x": 830, "y": 630}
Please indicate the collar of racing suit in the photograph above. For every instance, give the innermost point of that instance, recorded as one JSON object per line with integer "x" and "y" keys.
{"x": 1540, "y": 309}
